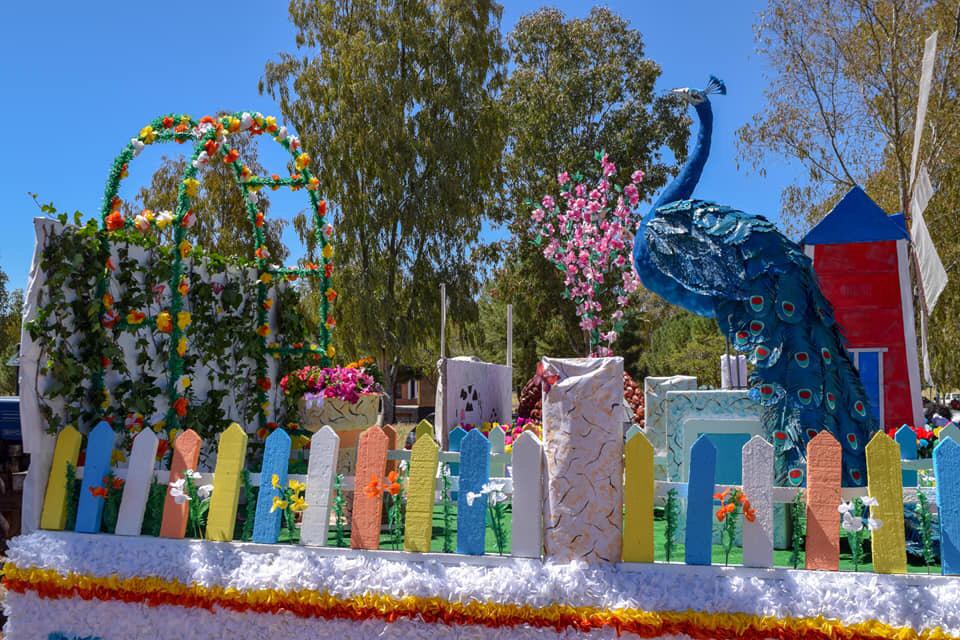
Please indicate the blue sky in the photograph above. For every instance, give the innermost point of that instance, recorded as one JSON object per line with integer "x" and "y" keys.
{"x": 80, "y": 79}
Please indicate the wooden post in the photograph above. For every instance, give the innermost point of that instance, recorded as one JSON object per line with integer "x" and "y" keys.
{"x": 321, "y": 474}
{"x": 885, "y": 484}
{"x": 186, "y": 455}
{"x": 946, "y": 470}
{"x": 526, "y": 526}
{"x": 907, "y": 440}
{"x": 698, "y": 537}
{"x": 136, "y": 489}
{"x": 367, "y": 510}
{"x": 638, "y": 499}
{"x": 758, "y": 486}
{"x": 276, "y": 458}
{"x": 823, "y": 498}
{"x": 66, "y": 451}
{"x": 418, "y": 527}
{"x": 474, "y": 473}
{"x": 227, "y": 480}
{"x": 96, "y": 466}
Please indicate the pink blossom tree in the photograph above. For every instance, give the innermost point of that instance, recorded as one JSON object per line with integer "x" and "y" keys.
{"x": 588, "y": 236}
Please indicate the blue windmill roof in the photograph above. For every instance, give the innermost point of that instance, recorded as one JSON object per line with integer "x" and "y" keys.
{"x": 856, "y": 218}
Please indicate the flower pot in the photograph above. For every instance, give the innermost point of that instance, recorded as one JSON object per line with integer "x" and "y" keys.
{"x": 349, "y": 420}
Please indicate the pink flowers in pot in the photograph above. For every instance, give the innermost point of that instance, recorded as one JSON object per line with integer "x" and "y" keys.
{"x": 344, "y": 383}
{"x": 589, "y": 238}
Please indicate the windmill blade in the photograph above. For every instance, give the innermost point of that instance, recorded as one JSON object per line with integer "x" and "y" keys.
{"x": 926, "y": 79}
{"x": 933, "y": 277}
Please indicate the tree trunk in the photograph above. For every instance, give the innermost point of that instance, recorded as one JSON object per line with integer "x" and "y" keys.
{"x": 390, "y": 399}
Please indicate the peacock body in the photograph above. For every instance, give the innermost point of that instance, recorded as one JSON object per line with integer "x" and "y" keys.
{"x": 723, "y": 263}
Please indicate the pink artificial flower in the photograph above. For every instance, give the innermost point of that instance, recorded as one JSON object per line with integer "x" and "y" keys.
{"x": 563, "y": 178}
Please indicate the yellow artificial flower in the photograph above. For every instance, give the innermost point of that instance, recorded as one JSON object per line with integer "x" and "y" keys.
{"x": 164, "y": 322}
{"x": 233, "y": 124}
{"x": 278, "y": 504}
{"x": 296, "y": 485}
{"x": 297, "y": 504}
{"x": 936, "y": 432}
{"x": 192, "y": 187}
{"x": 266, "y": 278}
{"x": 107, "y": 301}
{"x": 117, "y": 456}
{"x": 275, "y": 481}
{"x": 172, "y": 436}
{"x": 328, "y": 251}
{"x": 271, "y": 122}
{"x": 183, "y": 287}
{"x": 185, "y": 382}
{"x": 182, "y": 346}
{"x": 185, "y": 249}
{"x": 331, "y": 351}
{"x": 302, "y": 161}
{"x": 106, "y": 400}
{"x": 159, "y": 426}
{"x": 184, "y": 319}
{"x": 148, "y": 135}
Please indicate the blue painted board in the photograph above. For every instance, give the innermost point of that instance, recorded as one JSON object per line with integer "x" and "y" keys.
{"x": 907, "y": 440}
{"x": 946, "y": 469}
{"x": 474, "y": 473}
{"x": 276, "y": 456}
{"x": 698, "y": 539}
{"x": 95, "y": 467}
{"x": 868, "y": 363}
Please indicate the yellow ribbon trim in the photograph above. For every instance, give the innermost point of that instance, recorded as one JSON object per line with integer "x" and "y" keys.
{"x": 316, "y": 604}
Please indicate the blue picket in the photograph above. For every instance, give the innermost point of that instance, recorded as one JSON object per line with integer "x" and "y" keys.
{"x": 276, "y": 456}
{"x": 698, "y": 539}
{"x": 95, "y": 467}
{"x": 907, "y": 440}
{"x": 474, "y": 473}
{"x": 946, "y": 470}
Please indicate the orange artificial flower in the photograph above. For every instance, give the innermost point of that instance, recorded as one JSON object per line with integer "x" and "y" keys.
{"x": 231, "y": 156}
{"x": 313, "y": 184}
{"x": 262, "y": 433}
{"x": 268, "y": 304}
{"x": 115, "y": 221}
{"x": 117, "y": 484}
{"x": 180, "y": 406}
{"x": 722, "y": 495}
{"x": 211, "y": 147}
{"x": 275, "y": 177}
{"x": 373, "y": 490}
{"x": 107, "y": 301}
{"x": 162, "y": 447}
{"x": 99, "y": 492}
{"x": 322, "y": 207}
{"x": 164, "y": 322}
{"x": 331, "y": 295}
{"x": 393, "y": 489}
{"x": 181, "y": 129}
{"x": 259, "y": 219}
{"x": 183, "y": 287}
{"x": 263, "y": 331}
{"x": 392, "y": 476}
{"x": 262, "y": 253}
{"x": 136, "y": 317}
{"x": 331, "y": 322}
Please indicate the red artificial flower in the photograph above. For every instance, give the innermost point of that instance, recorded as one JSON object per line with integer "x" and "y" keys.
{"x": 211, "y": 147}
{"x": 322, "y": 208}
{"x": 264, "y": 383}
{"x": 259, "y": 220}
{"x": 98, "y": 492}
{"x": 117, "y": 484}
{"x": 162, "y": 447}
{"x": 328, "y": 269}
{"x": 180, "y": 406}
{"x": 105, "y": 362}
{"x": 115, "y": 221}
{"x": 167, "y": 122}
{"x": 231, "y": 156}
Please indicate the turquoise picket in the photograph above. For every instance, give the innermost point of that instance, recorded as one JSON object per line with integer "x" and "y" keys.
{"x": 946, "y": 470}
{"x": 95, "y": 467}
{"x": 474, "y": 473}
{"x": 907, "y": 440}
{"x": 454, "y": 438}
{"x": 698, "y": 539}
{"x": 276, "y": 456}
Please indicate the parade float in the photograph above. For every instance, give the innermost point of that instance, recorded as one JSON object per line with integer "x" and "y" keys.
{"x": 181, "y": 484}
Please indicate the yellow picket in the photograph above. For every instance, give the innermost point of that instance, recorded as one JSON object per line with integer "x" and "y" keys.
{"x": 423, "y": 427}
{"x": 424, "y": 458}
{"x": 885, "y": 484}
{"x": 66, "y": 451}
{"x": 638, "y": 498}
{"x": 231, "y": 453}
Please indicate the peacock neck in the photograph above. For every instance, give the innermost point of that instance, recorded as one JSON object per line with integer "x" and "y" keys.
{"x": 683, "y": 185}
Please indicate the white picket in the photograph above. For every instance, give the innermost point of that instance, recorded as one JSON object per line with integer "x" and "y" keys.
{"x": 497, "y": 466}
{"x": 527, "y": 529}
{"x": 321, "y": 474}
{"x": 950, "y": 431}
{"x": 758, "y": 487}
{"x": 136, "y": 487}
{"x": 634, "y": 429}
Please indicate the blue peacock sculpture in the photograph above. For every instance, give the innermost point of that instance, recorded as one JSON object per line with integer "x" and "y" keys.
{"x": 723, "y": 263}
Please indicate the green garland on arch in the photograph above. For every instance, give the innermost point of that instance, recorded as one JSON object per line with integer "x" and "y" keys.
{"x": 212, "y": 135}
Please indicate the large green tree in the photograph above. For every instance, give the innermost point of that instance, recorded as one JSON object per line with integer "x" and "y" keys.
{"x": 841, "y": 101}
{"x": 11, "y": 311}
{"x": 396, "y": 99}
{"x": 577, "y": 85}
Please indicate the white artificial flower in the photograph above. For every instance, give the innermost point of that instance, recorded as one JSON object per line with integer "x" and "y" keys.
{"x": 193, "y": 475}
{"x": 495, "y": 490}
{"x": 281, "y": 134}
{"x": 201, "y": 160}
{"x": 471, "y": 496}
{"x": 164, "y": 218}
{"x": 177, "y": 493}
{"x": 254, "y": 196}
{"x": 141, "y": 223}
{"x": 201, "y": 129}
{"x": 869, "y": 501}
{"x": 874, "y": 523}
{"x": 205, "y": 491}
{"x": 851, "y": 524}
{"x": 137, "y": 146}
{"x": 246, "y": 121}
{"x": 845, "y": 508}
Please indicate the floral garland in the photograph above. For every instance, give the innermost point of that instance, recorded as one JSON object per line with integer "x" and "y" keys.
{"x": 211, "y": 135}
{"x": 153, "y": 592}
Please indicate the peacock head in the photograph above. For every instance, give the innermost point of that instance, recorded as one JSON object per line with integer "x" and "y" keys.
{"x": 696, "y": 97}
